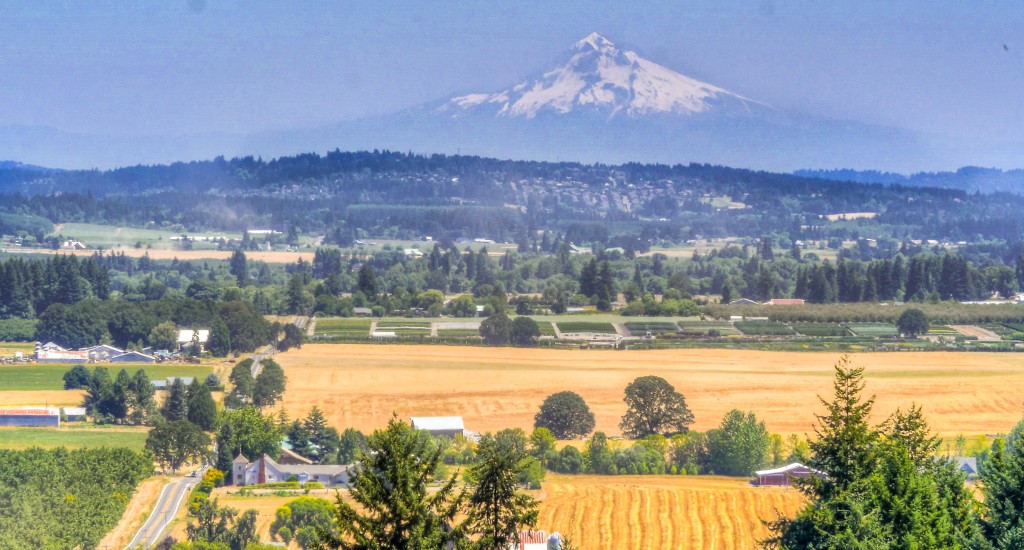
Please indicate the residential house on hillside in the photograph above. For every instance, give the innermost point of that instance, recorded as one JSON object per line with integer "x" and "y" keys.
{"x": 268, "y": 470}
{"x": 185, "y": 338}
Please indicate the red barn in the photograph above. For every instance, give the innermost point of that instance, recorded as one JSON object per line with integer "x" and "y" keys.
{"x": 783, "y": 475}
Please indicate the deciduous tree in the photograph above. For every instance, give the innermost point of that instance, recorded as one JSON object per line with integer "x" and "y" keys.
{"x": 654, "y": 407}
{"x": 566, "y": 414}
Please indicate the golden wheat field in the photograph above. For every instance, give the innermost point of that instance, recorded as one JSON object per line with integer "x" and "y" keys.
{"x": 494, "y": 388}
{"x": 635, "y": 512}
{"x": 656, "y": 512}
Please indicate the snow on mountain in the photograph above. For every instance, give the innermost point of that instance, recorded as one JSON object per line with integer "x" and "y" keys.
{"x": 600, "y": 77}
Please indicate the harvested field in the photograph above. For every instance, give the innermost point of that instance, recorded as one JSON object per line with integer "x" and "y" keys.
{"x": 655, "y": 512}
{"x": 635, "y": 512}
{"x": 982, "y": 334}
{"x": 494, "y": 388}
{"x": 48, "y": 398}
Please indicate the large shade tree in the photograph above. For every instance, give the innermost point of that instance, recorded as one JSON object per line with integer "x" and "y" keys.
{"x": 654, "y": 407}
{"x": 566, "y": 414}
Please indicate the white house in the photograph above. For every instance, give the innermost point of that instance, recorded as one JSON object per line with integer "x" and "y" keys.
{"x": 185, "y": 337}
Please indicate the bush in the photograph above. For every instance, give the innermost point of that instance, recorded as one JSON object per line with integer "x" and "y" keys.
{"x": 214, "y": 476}
{"x": 312, "y": 485}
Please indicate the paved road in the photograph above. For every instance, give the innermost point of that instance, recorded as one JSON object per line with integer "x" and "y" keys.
{"x": 171, "y": 498}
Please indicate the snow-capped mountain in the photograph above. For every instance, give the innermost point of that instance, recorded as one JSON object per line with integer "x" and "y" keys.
{"x": 600, "y": 77}
{"x": 601, "y": 103}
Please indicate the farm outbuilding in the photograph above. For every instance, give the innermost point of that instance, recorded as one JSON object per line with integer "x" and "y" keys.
{"x": 30, "y": 417}
{"x": 784, "y": 475}
{"x": 439, "y": 425}
{"x": 133, "y": 357}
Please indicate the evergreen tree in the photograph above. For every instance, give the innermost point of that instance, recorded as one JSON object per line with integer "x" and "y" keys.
{"x": 141, "y": 397}
{"x": 844, "y": 446}
{"x": 496, "y": 509}
{"x": 119, "y": 396}
{"x": 238, "y": 267}
{"x": 1003, "y": 487}
{"x": 392, "y": 506}
{"x": 202, "y": 411}
{"x": 176, "y": 405}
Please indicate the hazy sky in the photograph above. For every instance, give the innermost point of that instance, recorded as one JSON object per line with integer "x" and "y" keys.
{"x": 179, "y": 67}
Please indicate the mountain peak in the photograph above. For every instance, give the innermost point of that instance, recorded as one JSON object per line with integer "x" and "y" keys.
{"x": 600, "y": 78}
{"x": 594, "y": 41}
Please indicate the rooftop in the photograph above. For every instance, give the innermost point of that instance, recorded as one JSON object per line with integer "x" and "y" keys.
{"x": 438, "y": 423}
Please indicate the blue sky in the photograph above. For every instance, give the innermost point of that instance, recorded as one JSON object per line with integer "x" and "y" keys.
{"x": 175, "y": 67}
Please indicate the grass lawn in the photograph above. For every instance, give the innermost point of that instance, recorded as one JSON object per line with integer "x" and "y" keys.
{"x": 873, "y": 330}
{"x": 338, "y": 326}
{"x": 32, "y": 376}
{"x": 74, "y": 437}
{"x": 545, "y": 326}
{"x": 586, "y": 326}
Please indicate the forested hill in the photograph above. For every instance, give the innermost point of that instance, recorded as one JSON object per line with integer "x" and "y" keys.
{"x": 968, "y": 178}
{"x": 344, "y": 168}
{"x": 384, "y": 193}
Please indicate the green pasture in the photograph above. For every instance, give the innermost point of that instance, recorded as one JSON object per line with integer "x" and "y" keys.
{"x": 107, "y": 236}
{"x": 586, "y": 326}
{"x": 34, "y": 377}
{"x": 458, "y": 333}
{"x": 545, "y": 326}
{"x": 339, "y": 326}
{"x": 72, "y": 437}
{"x": 821, "y": 329}
{"x": 873, "y": 330}
{"x": 703, "y": 327}
{"x": 764, "y": 328}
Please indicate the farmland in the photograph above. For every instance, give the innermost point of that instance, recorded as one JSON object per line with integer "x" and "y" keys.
{"x": 586, "y": 326}
{"x": 73, "y": 437}
{"x": 32, "y": 376}
{"x": 604, "y": 512}
{"x": 493, "y": 388}
{"x": 636, "y": 512}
